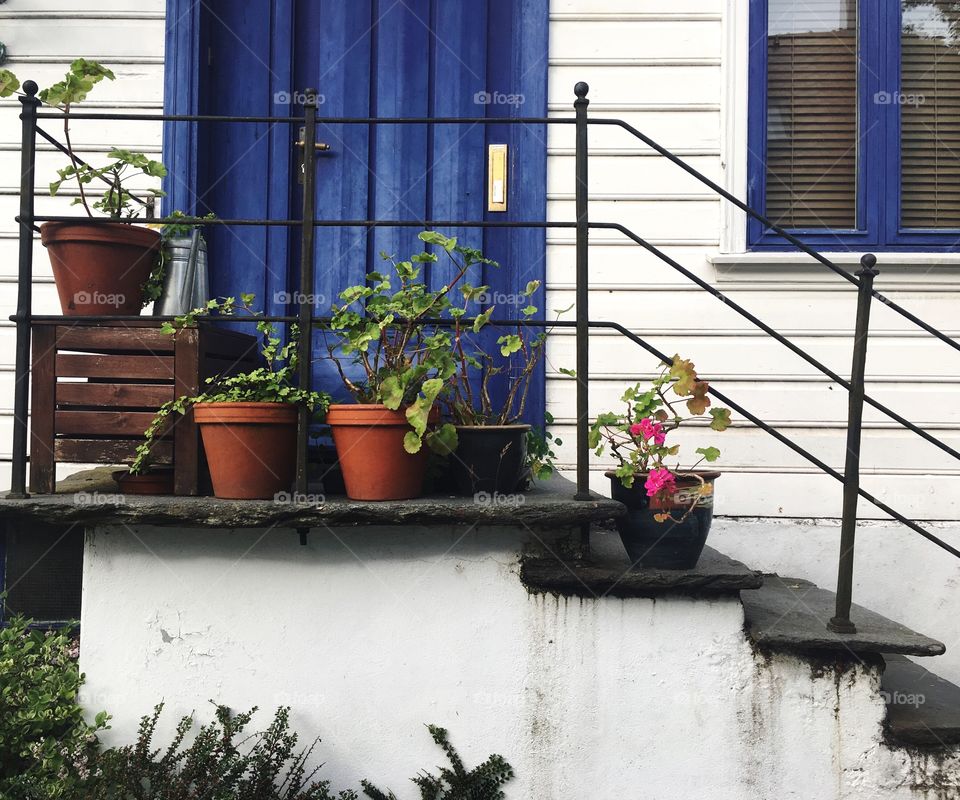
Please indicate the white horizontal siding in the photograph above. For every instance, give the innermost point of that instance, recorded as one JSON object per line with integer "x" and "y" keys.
{"x": 658, "y": 65}
{"x": 42, "y": 38}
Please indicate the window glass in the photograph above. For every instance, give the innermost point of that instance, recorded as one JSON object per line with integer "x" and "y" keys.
{"x": 811, "y": 159}
{"x": 929, "y": 102}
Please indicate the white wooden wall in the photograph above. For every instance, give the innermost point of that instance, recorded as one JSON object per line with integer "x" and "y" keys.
{"x": 662, "y": 67}
{"x": 674, "y": 70}
{"x": 42, "y": 38}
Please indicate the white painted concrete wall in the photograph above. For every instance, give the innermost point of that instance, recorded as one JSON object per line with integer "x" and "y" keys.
{"x": 42, "y": 38}
{"x": 368, "y": 634}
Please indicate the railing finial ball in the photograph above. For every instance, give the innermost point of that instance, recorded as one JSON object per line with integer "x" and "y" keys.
{"x": 868, "y": 263}
{"x": 30, "y": 88}
{"x": 581, "y": 89}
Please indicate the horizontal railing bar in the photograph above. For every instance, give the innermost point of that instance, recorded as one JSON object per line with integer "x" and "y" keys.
{"x": 319, "y": 223}
{"x": 795, "y": 349}
{"x": 87, "y": 115}
{"x": 776, "y": 228}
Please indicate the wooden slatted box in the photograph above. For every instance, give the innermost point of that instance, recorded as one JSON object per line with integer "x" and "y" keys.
{"x": 96, "y": 387}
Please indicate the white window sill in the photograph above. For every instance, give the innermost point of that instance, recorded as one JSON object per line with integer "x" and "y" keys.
{"x": 923, "y": 267}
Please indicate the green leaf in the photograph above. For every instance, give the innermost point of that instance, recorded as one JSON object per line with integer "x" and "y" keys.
{"x": 412, "y": 442}
{"x": 571, "y": 373}
{"x": 709, "y": 453}
{"x": 531, "y": 287}
{"x": 9, "y": 83}
{"x": 391, "y": 393}
{"x": 509, "y": 344}
{"x": 443, "y": 441}
{"x": 721, "y": 419}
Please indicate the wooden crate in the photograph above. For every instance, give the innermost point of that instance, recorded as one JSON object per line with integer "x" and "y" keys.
{"x": 96, "y": 387}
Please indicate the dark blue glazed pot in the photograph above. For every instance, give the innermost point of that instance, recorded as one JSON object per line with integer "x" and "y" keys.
{"x": 675, "y": 543}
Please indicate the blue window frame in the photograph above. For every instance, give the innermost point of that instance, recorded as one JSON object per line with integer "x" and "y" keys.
{"x": 877, "y": 218}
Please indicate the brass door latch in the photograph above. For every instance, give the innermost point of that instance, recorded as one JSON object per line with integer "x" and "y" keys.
{"x": 319, "y": 147}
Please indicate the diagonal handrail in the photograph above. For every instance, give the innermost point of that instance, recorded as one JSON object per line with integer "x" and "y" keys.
{"x": 775, "y": 334}
{"x": 817, "y": 462}
{"x": 715, "y": 187}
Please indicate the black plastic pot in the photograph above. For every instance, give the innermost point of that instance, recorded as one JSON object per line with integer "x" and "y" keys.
{"x": 490, "y": 458}
{"x": 669, "y": 544}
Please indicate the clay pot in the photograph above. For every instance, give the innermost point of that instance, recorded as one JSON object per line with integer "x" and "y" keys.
{"x": 490, "y": 458}
{"x": 251, "y": 448}
{"x": 100, "y": 269}
{"x": 154, "y": 481}
{"x": 369, "y": 441}
{"x": 674, "y": 543}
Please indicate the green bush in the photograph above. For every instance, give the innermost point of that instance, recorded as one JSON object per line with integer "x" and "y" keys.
{"x": 47, "y": 749}
{"x": 455, "y": 783}
{"x": 221, "y": 763}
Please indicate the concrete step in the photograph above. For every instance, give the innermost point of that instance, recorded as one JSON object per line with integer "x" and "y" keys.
{"x": 922, "y": 708}
{"x": 792, "y": 614}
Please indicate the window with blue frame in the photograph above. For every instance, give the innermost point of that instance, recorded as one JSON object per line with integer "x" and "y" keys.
{"x": 854, "y": 123}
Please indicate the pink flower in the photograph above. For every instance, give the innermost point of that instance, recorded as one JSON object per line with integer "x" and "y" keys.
{"x": 660, "y": 480}
{"x": 648, "y": 429}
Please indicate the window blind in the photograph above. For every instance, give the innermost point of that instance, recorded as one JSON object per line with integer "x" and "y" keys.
{"x": 929, "y": 103}
{"x": 811, "y": 159}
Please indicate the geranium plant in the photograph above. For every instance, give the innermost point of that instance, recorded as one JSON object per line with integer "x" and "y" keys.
{"x": 383, "y": 327}
{"x": 275, "y": 382}
{"x": 637, "y": 436}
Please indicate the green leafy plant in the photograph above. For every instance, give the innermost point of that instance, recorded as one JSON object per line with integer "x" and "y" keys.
{"x": 540, "y": 454}
{"x": 455, "y": 782}
{"x": 382, "y": 327}
{"x": 221, "y": 761}
{"x": 275, "y": 382}
{"x": 47, "y": 749}
{"x": 637, "y": 436}
{"x": 519, "y": 352}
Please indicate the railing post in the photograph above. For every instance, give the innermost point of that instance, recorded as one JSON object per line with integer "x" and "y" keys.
{"x": 21, "y": 393}
{"x": 582, "y": 294}
{"x": 841, "y": 623}
{"x": 305, "y": 305}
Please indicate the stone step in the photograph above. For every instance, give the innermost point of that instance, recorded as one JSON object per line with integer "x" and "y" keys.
{"x": 922, "y": 708}
{"x": 792, "y": 614}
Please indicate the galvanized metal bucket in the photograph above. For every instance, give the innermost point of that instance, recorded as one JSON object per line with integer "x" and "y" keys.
{"x": 186, "y": 282}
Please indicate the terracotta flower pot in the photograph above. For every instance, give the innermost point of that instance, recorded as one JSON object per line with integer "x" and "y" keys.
{"x": 100, "y": 269}
{"x": 369, "y": 441}
{"x": 153, "y": 481}
{"x": 251, "y": 448}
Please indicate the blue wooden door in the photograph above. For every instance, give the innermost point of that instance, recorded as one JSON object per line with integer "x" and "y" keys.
{"x": 367, "y": 58}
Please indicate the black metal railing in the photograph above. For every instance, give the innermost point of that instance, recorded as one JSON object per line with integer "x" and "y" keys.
{"x": 307, "y": 320}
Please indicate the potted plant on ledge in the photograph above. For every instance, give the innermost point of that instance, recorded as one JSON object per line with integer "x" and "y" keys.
{"x": 248, "y": 422}
{"x": 492, "y": 452}
{"x": 395, "y": 364}
{"x": 99, "y": 269}
{"x": 669, "y": 509}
